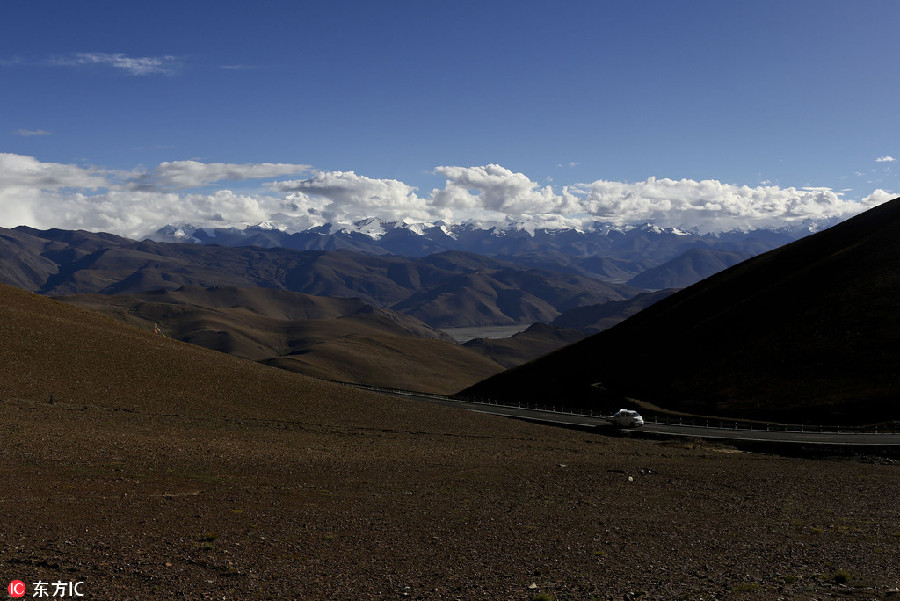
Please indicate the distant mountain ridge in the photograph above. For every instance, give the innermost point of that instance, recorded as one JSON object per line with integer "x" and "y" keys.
{"x": 440, "y": 235}
{"x": 448, "y": 289}
{"x": 596, "y": 250}
{"x": 254, "y": 302}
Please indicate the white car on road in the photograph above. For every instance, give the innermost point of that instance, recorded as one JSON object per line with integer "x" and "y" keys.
{"x": 626, "y": 418}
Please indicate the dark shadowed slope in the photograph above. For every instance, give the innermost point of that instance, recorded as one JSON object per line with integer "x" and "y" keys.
{"x": 808, "y": 332}
{"x": 539, "y": 339}
{"x": 596, "y": 318}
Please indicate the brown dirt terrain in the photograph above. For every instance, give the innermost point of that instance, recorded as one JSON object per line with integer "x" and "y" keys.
{"x": 423, "y": 365}
{"x": 329, "y": 338}
{"x": 165, "y": 470}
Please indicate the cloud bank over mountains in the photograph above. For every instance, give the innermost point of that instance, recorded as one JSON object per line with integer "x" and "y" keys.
{"x": 137, "y": 202}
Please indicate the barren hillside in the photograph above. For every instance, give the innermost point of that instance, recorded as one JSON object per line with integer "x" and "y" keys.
{"x": 331, "y": 338}
{"x": 161, "y": 470}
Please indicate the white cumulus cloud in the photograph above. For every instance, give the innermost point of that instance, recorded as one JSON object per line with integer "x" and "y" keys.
{"x": 136, "y": 214}
{"x": 27, "y": 173}
{"x": 192, "y": 174}
{"x": 885, "y": 159}
{"x": 130, "y": 203}
{"x": 346, "y": 196}
{"x": 137, "y": 202}
{"x": 710, "y": 205}
{"x": 495, "y": 189}
{"x": 28, "y": 187}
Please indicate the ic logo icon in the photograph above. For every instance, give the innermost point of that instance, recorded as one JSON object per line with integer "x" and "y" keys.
{"x": 16, "y": 588}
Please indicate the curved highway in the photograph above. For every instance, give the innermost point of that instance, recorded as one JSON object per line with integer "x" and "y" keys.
{"x": 731, "y": 434}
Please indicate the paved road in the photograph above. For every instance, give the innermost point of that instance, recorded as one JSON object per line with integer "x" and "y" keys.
{"x": 571, "y": 419}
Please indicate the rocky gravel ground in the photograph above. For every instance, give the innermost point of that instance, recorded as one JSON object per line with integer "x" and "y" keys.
{"x": 425, "y": 503}
{"x": 145, "y": 468}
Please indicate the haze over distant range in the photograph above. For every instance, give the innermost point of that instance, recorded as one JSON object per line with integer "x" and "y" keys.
{"x": 137, "y": 116}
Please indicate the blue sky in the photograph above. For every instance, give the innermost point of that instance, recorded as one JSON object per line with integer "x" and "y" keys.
{"x": 444, "y": 110}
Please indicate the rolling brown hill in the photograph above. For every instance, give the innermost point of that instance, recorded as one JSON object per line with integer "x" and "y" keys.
{"x": 505, "y": 297}
{"x": 30, "y": 257}
{"x": 82, "y": 357}
{"x": 161, "y": 470}
{"x": 809, "y": 332}
{"x": 330, "y": 338}
{"x": 450, "y": 289}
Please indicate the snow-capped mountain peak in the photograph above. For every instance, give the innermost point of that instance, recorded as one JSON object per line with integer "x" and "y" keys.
{"x": 412, "y": 238}
{"x": 269, "y": 225}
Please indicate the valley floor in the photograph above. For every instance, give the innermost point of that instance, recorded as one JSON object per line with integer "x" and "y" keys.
{"x": 463, "y": 335}
{"x": 423, "y": 502}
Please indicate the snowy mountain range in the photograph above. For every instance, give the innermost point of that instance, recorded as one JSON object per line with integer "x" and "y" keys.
{"x": 662, "y": 257}
{"x": 646, "y": 242}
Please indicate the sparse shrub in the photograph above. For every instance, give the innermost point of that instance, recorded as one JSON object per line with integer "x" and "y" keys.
{"x": 207, "y": 540}
{"x": 747, "y": 587}
{"x": 841, "y": 576}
